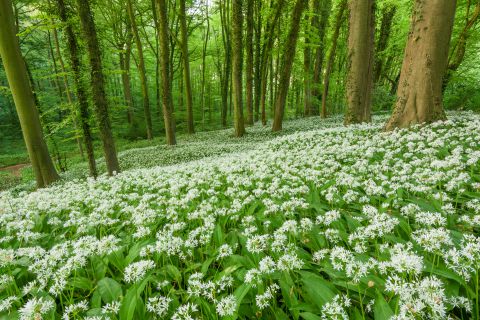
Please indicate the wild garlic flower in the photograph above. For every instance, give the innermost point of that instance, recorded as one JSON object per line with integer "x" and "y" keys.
{"x": 158, "y": 305}
{"x": 135, "y": 271}
{"x": 226, "y": 306}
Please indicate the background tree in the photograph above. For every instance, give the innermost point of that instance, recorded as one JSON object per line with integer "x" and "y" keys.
{"x": 186, "y": 66}
{"x": 141, "y": 69}
{"x": 163, "y": 40}
{"x": 237, "y": 61}
{"x": 290, "y": 47}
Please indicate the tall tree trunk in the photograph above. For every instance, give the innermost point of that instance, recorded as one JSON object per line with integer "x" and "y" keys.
{"x": 266, "y": 59}
{"x": 388, "y": 13}
{"x": 459, "y": 50}
{"x": 419, "y": 96}
{"x": 186, "y": 66}
{"x": 141, "y": 70}
{"x": 68, "y": 92}
{"x": 163, "y": 39}
{"x": 361, "y": 39}
{"x": 258, "y": 57}
{"x": 289, "y": 55}
{"x": 339, "y": 18}
{"x": 17, "y": 77}
{"x": 98, "y": 86}
{"x": 204, "y": 65}
{"x": 320, "y": 22}
{"x": 225, "y": 21}
{"x": 82, "y": 96}
{"x": 125, "y": 65}
{"x": 249, "y": 58}
{"x": 307, "y": 60}
{"x": 237, "y": 62}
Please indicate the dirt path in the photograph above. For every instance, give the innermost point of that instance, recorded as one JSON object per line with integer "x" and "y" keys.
{"x": 15, "y": 170}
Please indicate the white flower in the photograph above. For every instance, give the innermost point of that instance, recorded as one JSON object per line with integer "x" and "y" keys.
{"x": 137, "y": 270}
{"x": 224, "y": 251}
{"x": 158, "y": 305}
{"x": 112, "y": 307}
{"x": 227, "y": 306}
{"x": 263, "y": 300}
{"x": 36, "y": 308}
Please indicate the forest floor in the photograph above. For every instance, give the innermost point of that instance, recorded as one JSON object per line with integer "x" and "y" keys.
{"x": 15, "y": 170}
{"x": 320, "y": 222}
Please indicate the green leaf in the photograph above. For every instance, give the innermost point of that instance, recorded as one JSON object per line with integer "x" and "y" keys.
{"x": 381, "y": 309}
{"x": 81, "y": 283}
{"x": 241, "y": 292}
{"x": 109, "y": 289}
{"x": 318, "y": 290}
{"x": 309, "y": 316}
{"x": 129, "y": 303}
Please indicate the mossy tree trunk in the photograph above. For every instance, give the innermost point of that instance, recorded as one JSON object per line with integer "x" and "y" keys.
{"x": 419, "y": 94}
{"x": 360, "y": 61}
{"x": 98, "y": 85}
{"x": 19, "y": 83}
{"x": 82, "y": 96}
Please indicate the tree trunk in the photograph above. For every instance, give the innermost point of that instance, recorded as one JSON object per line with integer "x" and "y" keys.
{"x": 258, "y": 57}
{"x": 461, "y": 45}
{"x": 82, "y": 97}
{"x": 388, "y": 13}
{"x": 125, "y": 65}
{"x": 224, "y": 17}
{"x": 68, "y": 92}
{"x": 141, "y": 70}
{"x": 266, "y": 59}
{"x": 163, "y": 39}
{"x": 186, "y": 67}
{"x": 204, "y": 65}
{"x": 249, "y": 58}
{"x": 98, "y": 86}
{"x": 320, "y": 22}
{"x": 307, "y": 60}
{"x": 331, "y": 55}
{"x": 237, "y": 62}
{"x": 361, "y": 46}
{"x": 419, "y": 96}
{"x": 289, "y": 55}
{"x": 17, "y": 76}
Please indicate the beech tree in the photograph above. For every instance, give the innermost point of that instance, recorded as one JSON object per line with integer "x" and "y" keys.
{"x": 360, "y": 64}
{"x": 19, "y": 82}
{"x": 419, "y": 95}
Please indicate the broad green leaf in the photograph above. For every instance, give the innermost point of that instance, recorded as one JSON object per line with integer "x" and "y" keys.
{"x": 81, "y": 283}
{"x": 318, "y": 290}
{"x": 109, "y": 289}
{"x": 381, "y": 309}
